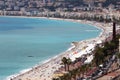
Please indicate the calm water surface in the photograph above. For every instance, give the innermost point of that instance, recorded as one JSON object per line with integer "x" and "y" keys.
{"x": 39, "y": 38}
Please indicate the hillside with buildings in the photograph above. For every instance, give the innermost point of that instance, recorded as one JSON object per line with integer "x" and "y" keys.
{"x": 61, "y": 8}
{"x": 53, "y": 5}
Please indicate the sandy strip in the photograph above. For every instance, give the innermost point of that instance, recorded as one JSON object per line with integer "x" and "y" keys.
{"x": 45, "y": 71}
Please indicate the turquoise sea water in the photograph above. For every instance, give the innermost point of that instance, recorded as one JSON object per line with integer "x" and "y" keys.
{"x": 39, "y": 38}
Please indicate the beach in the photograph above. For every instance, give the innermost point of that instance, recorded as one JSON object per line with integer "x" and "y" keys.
{"x": 46, "y": 70}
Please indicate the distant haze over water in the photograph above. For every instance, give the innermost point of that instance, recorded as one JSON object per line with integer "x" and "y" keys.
{"x": 25, "y": 42}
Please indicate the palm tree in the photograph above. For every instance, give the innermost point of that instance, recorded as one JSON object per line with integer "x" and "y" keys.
{"x": 68, "y": 62}
{"x": 64, "y": 61}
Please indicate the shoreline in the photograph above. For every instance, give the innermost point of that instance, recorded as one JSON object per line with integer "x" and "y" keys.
{"x": 66, "y": 52}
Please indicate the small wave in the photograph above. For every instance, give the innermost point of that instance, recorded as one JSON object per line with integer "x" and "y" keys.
{"x": 11, "y": 76}
{"x": 45, "y": 61}
{"x": 25, "y": 70}
{"x": 91, "y": 30}
{"x": 70, "y": 48}
{"x": 21, "y": 72}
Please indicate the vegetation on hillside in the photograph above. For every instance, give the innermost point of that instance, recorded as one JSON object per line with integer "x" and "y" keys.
{"x": 101, "y": 55}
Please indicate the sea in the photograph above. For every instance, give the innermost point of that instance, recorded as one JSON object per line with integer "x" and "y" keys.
{"x": 25, "y": 42}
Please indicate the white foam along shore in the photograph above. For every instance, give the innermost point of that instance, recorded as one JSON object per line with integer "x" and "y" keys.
{"x": 45, "y": 70}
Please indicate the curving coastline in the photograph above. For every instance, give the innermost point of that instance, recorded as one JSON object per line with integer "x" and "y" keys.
{"x": 45, "y": 70}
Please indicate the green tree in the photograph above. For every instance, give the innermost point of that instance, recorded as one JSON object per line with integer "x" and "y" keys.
{"x": 64, "y": 61}
{"x": 68, "y": 62}
{"x": 98, "y": 56}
